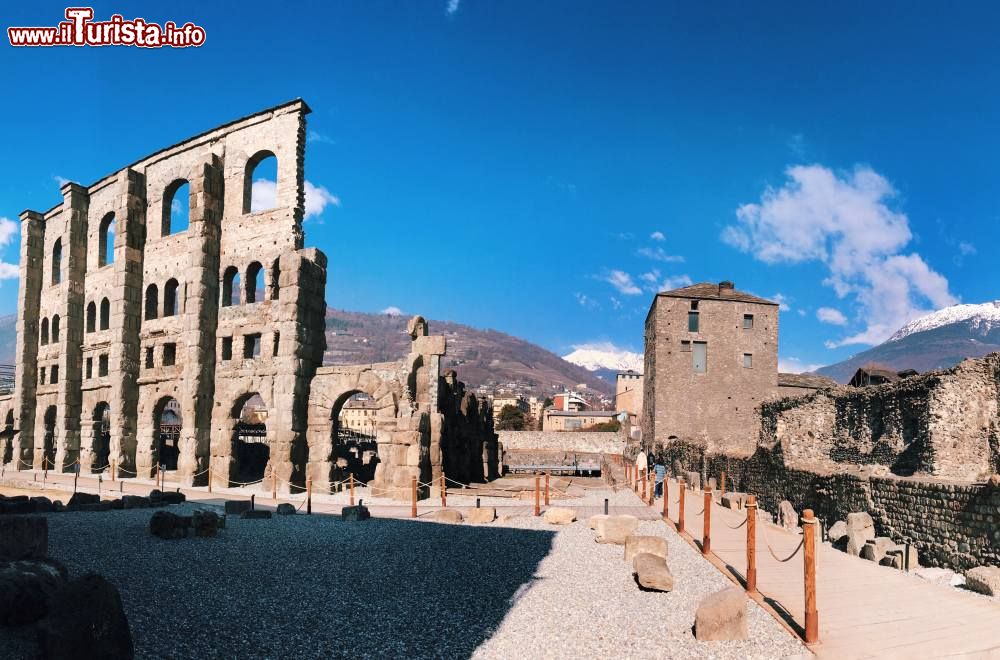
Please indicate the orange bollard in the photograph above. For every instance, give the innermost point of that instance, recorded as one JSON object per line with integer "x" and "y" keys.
{"x": 538, "y": 511}
{"x": 809, "y": 524}
{"x": 210, "y": 478}
{"x": 274, "y": 486}
{"x": 652, "y": 488}
{"x": 413, "y": 497}
{"x": 350, "y": 487}
{"x": 644, "y": 480}
{"x": 751, "y": 508}
{"x": 680, "y": 512}
{"x": 706, "y": 532}
{"x": 546, "y": 489}
{"x": 444, "y": 492}
{"x": 722, "y": 483}
{"x": 666, "y": 498}
{"x": 114, "y": 472}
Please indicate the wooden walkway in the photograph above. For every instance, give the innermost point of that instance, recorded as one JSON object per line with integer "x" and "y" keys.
{"x": 865, "y": 610}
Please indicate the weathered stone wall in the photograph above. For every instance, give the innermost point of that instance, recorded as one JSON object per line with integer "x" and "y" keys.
{"x": 942, "y": 424}
{"x": 584, "y": 442}
{"x": 206, "y": 318}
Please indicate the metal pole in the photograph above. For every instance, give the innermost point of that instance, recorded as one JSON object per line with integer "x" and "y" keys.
{"x": 253, "y": 502}
{"x": 309, "y": 495}
{"x": 809, "y": 567}
{"x": 706, "y": 532}
{"x": 751, "y": 509}
{"x": 605, "y": 506}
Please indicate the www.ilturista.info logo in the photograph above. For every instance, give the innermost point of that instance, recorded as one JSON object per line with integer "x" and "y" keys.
{"x": 79, "y": 29}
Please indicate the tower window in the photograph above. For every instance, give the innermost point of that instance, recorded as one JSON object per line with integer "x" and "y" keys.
{"x": 747, "y": 360}
{"x": 251, "y": 346}
{"x": 227, "y": 348}
{"x": 748, "y": 321}
{"x": 169, "y": 355}
{"x": 692, "y": 321}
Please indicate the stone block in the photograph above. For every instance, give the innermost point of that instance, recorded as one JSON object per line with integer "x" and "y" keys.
{"x": 693, "y": 480}
{"x": 861, "y": 523}
{"x": 722, "y": 616}
{"x": 447, "y": 516}
{"x": 285, "y": 509}
{"x": 25, "y": 589}
{"x": 237, "y": 507}
{"x": 355, "y": 513}
{"x": 837, "y": 531}
{"x": 486, "y": 514}
{"x": 206, "y": 523}
{"x": 431, "y": 345}
{"x": 84, "y": 498}
{"x": 984, "y": 580}
{"x": 787, "y": 517}
{"x": 615, "y": 529}
{"x": 875, "y": 549}
{"x": 855, "y": 543}
{"x": 86, "y": 613}
{"x": 134, "y": 502}
{"x": 559, "y": 516}
{"x": 593, "y": 520}
{"x": 166, "y": 525}
{"x": 23, "y": 537}
{"x": 42, "y": 505}
{"x": 652, "y": 573}
{"x": 734, "y": 500}
{"x": 636, "y": 545}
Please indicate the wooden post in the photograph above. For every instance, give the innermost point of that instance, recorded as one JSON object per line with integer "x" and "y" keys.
{"x": 350, "y": 487}
{"x": 809, "y": 523}
{"x": 652, "y": 487}
{"x": 644, "y": 480}
{"x": 210, "y": 478}
{"x": 274, "y": 485}
{"x": 538, "y": 480}
{"x": 722, "y": 483}
{"x": 413, "y": 497}
{"x": 706, "y": 531}
{"x": 444, "y": 492}
{"x": 546, "y": 489}
{"x": 309, "y": 495}
{"x": 113, "y": 470}
{"x": 666, "y": 498}
{"x": 751, "y": 509}
{"x": 680, "y": 512}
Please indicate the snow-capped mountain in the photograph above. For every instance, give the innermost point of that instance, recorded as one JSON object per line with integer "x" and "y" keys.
{"x": 983, "y": 318}
{"x": 598, "y": 357}
{"x": 935, "y": 341}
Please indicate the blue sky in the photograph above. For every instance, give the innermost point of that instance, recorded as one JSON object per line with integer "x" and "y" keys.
{"x": 543, "y": 168}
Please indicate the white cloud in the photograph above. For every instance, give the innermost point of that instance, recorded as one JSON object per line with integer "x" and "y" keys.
{"x": 615, "y": 303}
{"x": 60, "y": 180}
{"x": 392, "y": 310}
{"x": 316, "y": 136}
{"x": 783, "y": 302}
{"x": 675, "y": 282}
{"x": 831, "y": 316}
{"x": 845, "y": 222}
{"x": 9, "y": 230}
{"x": 658, "y": 254}
{"x": 623, "y": 282}
{"x": 585, "y": 300}
{"x": 317, "y": 199}
{"x": 966, "y": 248}
{"x": 794, "y": 365}
{"x": 263, "y": 196}
{"x": 452, "y": 7}
{"x": 658, "y": 236}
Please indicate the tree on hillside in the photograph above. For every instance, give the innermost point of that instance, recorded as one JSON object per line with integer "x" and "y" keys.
{"x": 511, "y": 419}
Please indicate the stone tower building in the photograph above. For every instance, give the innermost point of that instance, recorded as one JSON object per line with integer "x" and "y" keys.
{"x": 711, "y": 357}
{"x": 144, "y": 343}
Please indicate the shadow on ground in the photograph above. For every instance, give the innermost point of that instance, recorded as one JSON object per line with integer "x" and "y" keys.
{"x": 306, "y": 586}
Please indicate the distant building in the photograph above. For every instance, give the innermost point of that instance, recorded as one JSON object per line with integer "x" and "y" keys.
{"x": 801, "y": 384}
{"x": 711, "y": 357}
{"x": 358, "y": 415}
{"x": 628, "y": 399}
{"x": 569, "y": 401}
{"x": 536, "y": 408}
{"x": 575, "y": 420}
{"x": 516, "y": 401}
{"x": 872, "y": 375}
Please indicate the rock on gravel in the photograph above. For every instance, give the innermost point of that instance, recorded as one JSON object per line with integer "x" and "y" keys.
{"x": 559, "y": 516}
{"x": 652, "y": 572}
{"x": 615, "y": 529}
{"x": 25, "y": 589}
{"x": 23, "y": 537}
{"x": 86, "y": 621}
{"x": 722, "y": 616}
{"x": 638, "y": 544}
{"x": 984, "y": 580}
{"x": 596, "y": 519}
{"x": 447, "y": 516}
{"x": 486, "y": 514}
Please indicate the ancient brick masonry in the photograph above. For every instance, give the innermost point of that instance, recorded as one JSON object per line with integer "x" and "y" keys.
{"x": 124, "y": 317}
{"x": 913, "y": 454}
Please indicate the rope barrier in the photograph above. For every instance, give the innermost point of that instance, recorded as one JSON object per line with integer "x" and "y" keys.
{"x": 737, "y": 527}
{"x": 767, "y": 542}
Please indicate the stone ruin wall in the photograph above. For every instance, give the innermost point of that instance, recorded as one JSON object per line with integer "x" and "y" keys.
{"x": 111, "y": 352}
{"x": 913, "y": 454}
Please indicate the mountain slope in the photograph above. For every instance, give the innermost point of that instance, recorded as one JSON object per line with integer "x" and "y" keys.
{"x": 481, "y": 357}
{"x": 938, "y": 340}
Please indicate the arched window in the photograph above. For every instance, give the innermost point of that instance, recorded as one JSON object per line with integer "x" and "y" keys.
{"x": 57, "y": 261}
{"x": 275, "y": 278}
{"x": 91, "y": 317}
{"x": 106, "y": 241}
{"x": 176, "y": 207}
{"x": 231, "y": 287}
{"x": 170, "y": 298}
{"x": 55, "y": 328}
{"x": 152, "y": 301}
{"x": 105, "y": 314}
{"x": 45, "y": 332}
{"x": 260, "y": 182}
{"x": 255, "y": 282}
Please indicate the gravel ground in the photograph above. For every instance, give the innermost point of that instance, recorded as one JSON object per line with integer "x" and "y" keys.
{"x": 315, "y": 587}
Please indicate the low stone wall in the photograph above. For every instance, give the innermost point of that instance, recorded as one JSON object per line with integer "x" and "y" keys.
{"x": 950, "y": 524}
{"x": 584, "y": 442}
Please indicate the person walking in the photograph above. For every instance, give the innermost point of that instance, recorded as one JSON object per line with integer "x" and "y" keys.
{"x": 660, "y": 472}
